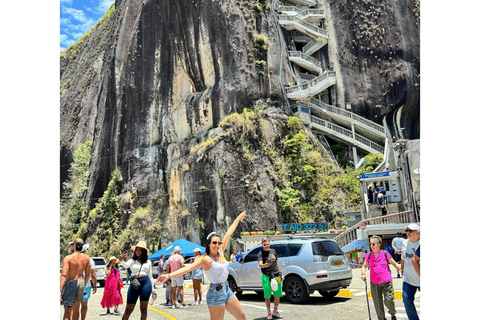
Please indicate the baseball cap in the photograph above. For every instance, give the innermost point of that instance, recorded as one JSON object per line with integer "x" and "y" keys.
{"x": 414, "y": 227}
{"x": 177, "y": 248}
{"x": 85, "y": 247}
{"x": 197, "y": 250}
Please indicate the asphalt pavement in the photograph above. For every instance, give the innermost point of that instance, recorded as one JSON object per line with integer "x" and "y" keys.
{"x": 350, "y": 304}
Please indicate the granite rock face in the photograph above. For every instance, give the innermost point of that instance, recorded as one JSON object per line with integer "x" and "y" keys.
{"x": 378, "y": 56}
{"x": 155, "y": 78}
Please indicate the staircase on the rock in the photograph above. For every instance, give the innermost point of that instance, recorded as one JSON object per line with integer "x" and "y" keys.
{"x": 305, "y": 21}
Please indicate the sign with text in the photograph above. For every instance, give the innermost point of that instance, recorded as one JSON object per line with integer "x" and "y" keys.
{"x": 304, "y": 226}
{"x": 383, "y": 174}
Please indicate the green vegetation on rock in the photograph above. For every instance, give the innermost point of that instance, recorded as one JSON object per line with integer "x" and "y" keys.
{"x": 71, "y": 52}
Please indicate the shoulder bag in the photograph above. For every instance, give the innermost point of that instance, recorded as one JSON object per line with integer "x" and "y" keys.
{"x": 135, "y": 284}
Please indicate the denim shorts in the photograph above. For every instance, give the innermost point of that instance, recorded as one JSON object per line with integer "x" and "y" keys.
{"x": 219, "y": 298}
{"x": 197, "y": 273}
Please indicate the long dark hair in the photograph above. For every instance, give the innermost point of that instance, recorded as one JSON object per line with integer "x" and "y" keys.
{"x": 143, "y": 258}
{"x": 209, "y": 240}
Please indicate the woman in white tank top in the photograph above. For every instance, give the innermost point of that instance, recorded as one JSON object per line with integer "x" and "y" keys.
{"x": 219, "y": 296}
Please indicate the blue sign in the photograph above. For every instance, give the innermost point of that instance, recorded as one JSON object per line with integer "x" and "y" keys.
{"x": 304, "y": 226}
{"x": 379, "y": 174}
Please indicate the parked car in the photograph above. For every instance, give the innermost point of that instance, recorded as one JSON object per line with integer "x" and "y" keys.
{"x": 123, "y": 272}
{"x": 155, "y": 268}
{"x": 100, "y": 266}
{"x": 307, "y": 264}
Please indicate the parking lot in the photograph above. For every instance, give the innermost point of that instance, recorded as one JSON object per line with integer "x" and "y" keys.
{"x": 350, "y": 304}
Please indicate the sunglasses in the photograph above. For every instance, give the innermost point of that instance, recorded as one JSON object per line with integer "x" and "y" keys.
{"x": 217, "y": 243}
{"x": 373, "y": 244}
{"x": 408, "y": 230}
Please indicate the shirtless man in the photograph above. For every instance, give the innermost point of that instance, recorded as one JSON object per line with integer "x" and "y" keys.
{"x": 72, "y": 283}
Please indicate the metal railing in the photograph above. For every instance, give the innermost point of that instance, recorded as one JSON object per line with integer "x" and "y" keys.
{"x": 350, "y": 234}
{"x": 341, "y": 131}
{"x": 302, "y": 10}
{"x": 331, "y": 109}
{"x": 307, "y": 77}
{"x": 312, "y": 83}
{"x": 299, "y": 54}
{"x": 332, "y": 126}
{"x": 310, "y": 27}
{"x": 314, "y": 43}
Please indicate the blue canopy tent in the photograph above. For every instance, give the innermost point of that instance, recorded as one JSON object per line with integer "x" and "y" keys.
{"x": 186, "y": 246}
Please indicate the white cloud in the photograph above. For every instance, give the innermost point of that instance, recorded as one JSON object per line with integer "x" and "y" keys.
{"x": 66, "y": 1}
{"x": 104, "y": 5}
{"x": 63, "y": 37}
{"x": 65, "y": 21}
{"x": 77, "y": 14}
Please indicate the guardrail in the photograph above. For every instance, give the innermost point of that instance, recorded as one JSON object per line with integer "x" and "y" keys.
{"x": 332, "y": 126}
{"x": 306, "y": 25}
{"x": 303, "y": 56}
{"x": 350, "y": 234}
{"x": 307, "y": 77}
{"x": 305, "y": 86}
{"x": 313, "y": 43}
{"x": 302, "y": 10}
{"x": 328, "y": 108}
{"x": 339, "y": 131}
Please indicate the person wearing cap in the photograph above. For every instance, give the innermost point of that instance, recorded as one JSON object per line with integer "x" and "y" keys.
{"x": 91, "y": 286}
{"x": 219, "y": 296}
{"x": 142, "y": 271}
{"x": 75, "y": 273}
{"x": 397, "y": 245}
{"x": 268, "y": 263}
{"x": 381, "y": 285}
{"x": 197, "y": 275}
{"x": 176, "y": 262}
{"x": 112, "y": 296}
{"x": 411, "y": 280}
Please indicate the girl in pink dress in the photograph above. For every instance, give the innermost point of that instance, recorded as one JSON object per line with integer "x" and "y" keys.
{"x": 112, "y": 296}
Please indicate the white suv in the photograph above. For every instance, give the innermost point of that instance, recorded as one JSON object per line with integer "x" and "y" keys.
{"x": 307, "y": 264}
{"x": 100, "y": 266}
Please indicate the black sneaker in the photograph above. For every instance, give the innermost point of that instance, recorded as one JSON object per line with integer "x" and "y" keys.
{"x": 394, "y": 318}
{"x": 116, "y": 313}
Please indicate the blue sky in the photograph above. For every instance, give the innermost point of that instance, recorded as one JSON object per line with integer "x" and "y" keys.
{"x": 79, "y": 16}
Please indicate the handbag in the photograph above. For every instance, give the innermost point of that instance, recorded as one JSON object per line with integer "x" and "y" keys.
{"x": 120, "y": 281}
{"x": 135, "y": 284}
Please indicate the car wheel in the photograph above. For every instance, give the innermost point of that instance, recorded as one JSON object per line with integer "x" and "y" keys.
{"x": 296, "y": 290}
{"x": 233, "y": 286}
{"x": 329, "y": 294}
{"x": 187, "y": 276}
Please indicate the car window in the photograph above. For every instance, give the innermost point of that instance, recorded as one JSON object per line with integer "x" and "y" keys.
{"x": 325, "y": 248}
{"x": 99, "y": 262}
{"x": 252, "y": 255}
{"x": 294, "y": 249}
{"x": 281, "y": 250}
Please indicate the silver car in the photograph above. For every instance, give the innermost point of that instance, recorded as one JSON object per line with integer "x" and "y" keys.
{"x": 307, "y": 264}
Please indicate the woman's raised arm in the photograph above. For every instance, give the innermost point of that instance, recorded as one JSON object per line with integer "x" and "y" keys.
{"x": 180, "y": 272}
{"x": 231, "y": 229}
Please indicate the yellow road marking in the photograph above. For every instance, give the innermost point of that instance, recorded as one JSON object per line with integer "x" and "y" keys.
{"x": 163, "y": 313}
{"x": 166, "y": 315}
